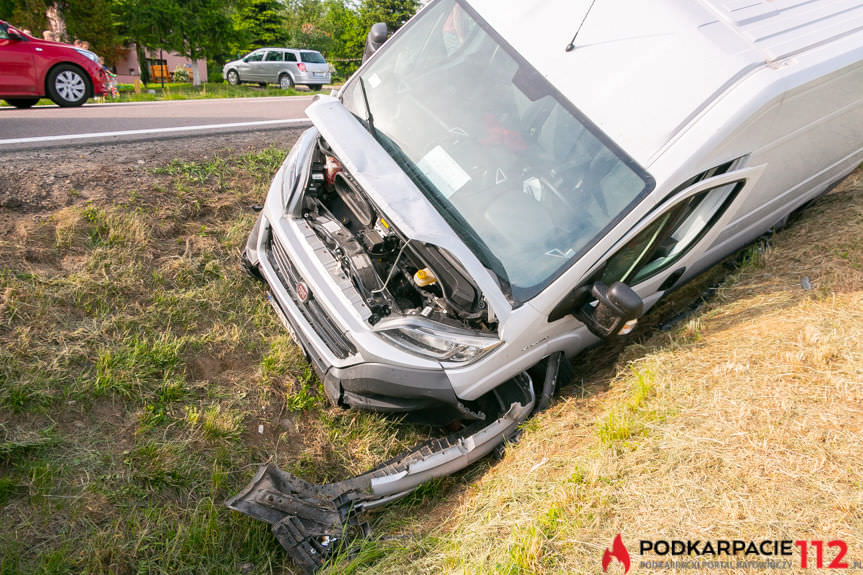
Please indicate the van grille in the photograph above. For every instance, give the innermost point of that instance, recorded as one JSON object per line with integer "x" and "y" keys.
{"x": 311, "y": 309}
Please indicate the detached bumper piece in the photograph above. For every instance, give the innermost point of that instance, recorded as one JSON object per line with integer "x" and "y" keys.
{"x": 313, "y": 521}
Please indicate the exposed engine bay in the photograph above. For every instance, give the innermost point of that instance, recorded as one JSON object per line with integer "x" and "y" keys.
{"x": 394, "y": 275}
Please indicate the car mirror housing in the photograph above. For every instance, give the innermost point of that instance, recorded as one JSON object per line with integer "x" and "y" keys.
{"x": 614, "y": 311}
{"x": 375, "y": 39}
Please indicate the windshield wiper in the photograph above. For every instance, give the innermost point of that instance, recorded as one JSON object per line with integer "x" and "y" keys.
{"x": 459, "y": 224}
{"x": 370, "y": 118}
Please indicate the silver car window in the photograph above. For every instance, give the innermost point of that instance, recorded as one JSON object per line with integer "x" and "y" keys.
{"x": 273, "y": 56}
{"x": 312, "y": 58}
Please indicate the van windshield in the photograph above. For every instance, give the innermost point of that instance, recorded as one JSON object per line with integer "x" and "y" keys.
{"x": 520, "y": 175}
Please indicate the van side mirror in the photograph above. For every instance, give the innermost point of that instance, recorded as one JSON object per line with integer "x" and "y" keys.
{"x": 375, "y": 39}
{"x": 615, "y": 310}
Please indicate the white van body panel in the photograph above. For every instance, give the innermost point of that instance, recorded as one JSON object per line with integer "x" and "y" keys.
{"x": 642, "y": 70}
{"x": 800, "y": 121}
{"x": 682, "y": 86}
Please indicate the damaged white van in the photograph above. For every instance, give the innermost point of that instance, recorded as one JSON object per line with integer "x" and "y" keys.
{"x": 504, "y": 183}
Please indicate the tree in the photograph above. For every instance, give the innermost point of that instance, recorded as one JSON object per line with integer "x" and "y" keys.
{"x": 147, "y": 23}
{"x": 93, "y": 21}
{"x": 29, "y": 14}
{"x": 258, "y": 23}
{"x": 202, "y": 30}
{"x": 393, "y": 12}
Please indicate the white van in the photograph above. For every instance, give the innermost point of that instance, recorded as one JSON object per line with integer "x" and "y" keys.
{"x": 493, "y": 190}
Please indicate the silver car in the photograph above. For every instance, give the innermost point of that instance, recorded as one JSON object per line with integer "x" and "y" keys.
{"x": 283, "y": 66}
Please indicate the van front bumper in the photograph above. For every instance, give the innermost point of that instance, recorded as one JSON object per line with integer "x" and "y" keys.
{"x": 354, "y": 363}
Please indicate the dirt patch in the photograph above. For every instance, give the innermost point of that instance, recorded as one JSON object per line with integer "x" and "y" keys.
{"x": 39, "y": 181}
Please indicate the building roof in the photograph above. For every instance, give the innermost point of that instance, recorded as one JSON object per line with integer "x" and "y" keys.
{"x": 642, "y": 70}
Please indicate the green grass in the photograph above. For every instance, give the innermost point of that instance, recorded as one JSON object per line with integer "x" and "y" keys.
{"x": 629, "y": 417}
{"x": 176, "y": 91}
{"x": 144, "y": 377}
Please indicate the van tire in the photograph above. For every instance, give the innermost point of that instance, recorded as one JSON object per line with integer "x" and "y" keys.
{"x": 286, "y": 82}
{"x": 315, "y": 87}
{"x": 233, "y": 78}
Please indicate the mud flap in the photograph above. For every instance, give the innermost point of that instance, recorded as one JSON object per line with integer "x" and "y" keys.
{"x": 313, "y": 521}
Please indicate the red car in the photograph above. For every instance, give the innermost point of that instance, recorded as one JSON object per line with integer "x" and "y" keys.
{"x": 31, "y": 68}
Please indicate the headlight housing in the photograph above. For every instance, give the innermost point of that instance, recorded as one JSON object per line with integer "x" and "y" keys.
{"x": 439, "y": 342}
{"x": 290, "y": 175}
{"x": 296, "y": 164}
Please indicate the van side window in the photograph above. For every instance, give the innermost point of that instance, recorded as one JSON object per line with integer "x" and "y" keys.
{"x": 273, "y": 57}
{"x": 256, "y": 57}
{"x": 290, "y": 57}
{"x": 665, "y": 240}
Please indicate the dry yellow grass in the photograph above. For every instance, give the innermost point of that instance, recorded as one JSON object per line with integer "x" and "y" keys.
{"x": 744, "y": 423}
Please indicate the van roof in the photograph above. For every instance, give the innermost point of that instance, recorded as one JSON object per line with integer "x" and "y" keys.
{"x": 642, "y": 70}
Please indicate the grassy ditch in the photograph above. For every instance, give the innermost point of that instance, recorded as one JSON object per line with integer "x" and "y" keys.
{"x": 144, "y": 377}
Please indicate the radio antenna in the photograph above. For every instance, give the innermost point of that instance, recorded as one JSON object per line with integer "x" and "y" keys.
{"x": 571, "y": 46}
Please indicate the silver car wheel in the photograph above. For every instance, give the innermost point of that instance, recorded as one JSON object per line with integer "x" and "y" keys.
{"x": 70, "y": 86}
{"x": 285, "y": 82}
{"x": 233, "y": 78}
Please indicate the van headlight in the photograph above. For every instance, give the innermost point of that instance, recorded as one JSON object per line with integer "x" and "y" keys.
{"x": 440, "y": 342}
{"x": 295, "y": 164}
{"x": 290, "y": 176}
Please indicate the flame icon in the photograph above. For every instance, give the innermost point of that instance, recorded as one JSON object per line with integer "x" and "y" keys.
{"x": 619, "y": 552}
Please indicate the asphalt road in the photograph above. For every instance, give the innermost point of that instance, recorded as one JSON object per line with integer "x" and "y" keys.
{"x": 47, "y": 126}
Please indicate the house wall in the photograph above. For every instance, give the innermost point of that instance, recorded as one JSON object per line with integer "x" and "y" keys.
{"x": 127, "y": 64}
